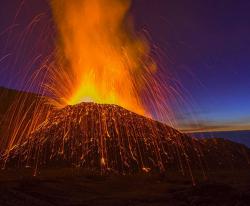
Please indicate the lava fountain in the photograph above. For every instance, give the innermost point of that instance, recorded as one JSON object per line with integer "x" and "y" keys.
{"x": 103, "y": 58}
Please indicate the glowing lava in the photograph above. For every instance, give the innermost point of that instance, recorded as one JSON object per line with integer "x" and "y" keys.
{"x": 105, "y": 61}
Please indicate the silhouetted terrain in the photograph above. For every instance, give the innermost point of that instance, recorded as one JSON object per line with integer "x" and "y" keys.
{"x": 67, "y": 187}
{"x": 9, "y": 96}
{"x": 241, "y": 136}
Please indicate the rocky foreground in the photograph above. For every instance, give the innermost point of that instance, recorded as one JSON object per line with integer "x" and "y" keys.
{"x": 67, "y": 187}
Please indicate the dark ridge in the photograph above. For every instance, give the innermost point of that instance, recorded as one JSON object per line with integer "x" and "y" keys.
{"x": 9, "y": 96}
{"x": 15, "y": 104}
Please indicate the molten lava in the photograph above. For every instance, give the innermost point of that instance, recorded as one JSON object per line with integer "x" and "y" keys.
{"x": 104, "y": 61}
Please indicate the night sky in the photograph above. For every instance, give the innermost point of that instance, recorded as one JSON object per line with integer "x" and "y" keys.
{"x": 206, "y": 44}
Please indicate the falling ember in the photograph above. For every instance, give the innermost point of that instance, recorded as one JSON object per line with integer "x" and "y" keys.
{"x": 104, "y": 60}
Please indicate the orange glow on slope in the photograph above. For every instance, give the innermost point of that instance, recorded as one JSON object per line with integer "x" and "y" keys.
{"x": 106, "y": 60}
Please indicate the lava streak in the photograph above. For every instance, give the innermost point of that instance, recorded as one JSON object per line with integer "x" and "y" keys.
{"x": 103, "y": 60}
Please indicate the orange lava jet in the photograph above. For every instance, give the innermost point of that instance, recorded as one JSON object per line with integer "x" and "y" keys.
{"x": 103, "y": 59}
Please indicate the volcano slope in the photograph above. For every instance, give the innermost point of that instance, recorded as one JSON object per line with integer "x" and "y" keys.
{"x": 108, "y": 138}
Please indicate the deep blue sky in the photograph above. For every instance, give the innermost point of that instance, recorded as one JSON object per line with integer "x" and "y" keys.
{"x": 205, "y": 43}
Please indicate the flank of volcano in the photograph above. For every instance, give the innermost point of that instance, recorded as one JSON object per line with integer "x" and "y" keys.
{"x": 109, "y": 138}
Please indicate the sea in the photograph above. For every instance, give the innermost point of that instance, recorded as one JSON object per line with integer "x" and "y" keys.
{"x": 242, "y": 137}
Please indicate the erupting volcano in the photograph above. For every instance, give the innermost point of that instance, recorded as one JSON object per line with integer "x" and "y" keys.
{"x": 98, "y": 58}
{"x": 100, "y": 94}
{"x": 91, "y": 110}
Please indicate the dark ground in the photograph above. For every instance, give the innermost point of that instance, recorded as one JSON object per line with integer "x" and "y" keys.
{"x": 79, "y": 188}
